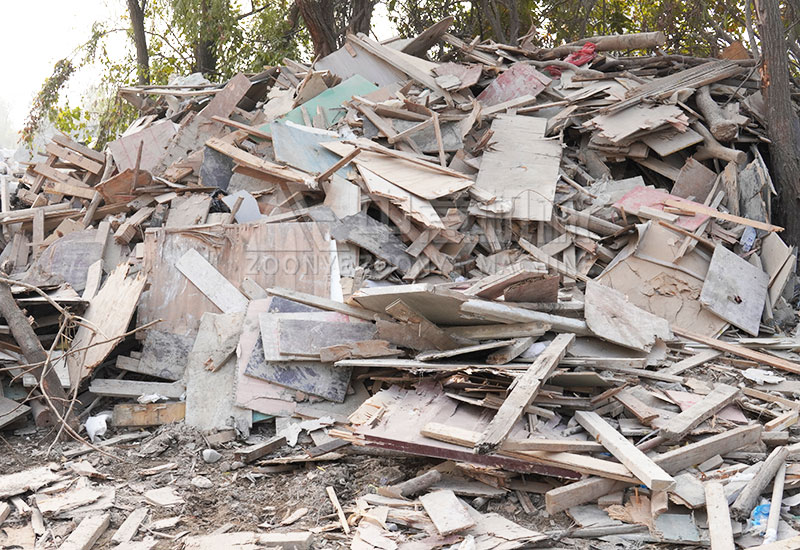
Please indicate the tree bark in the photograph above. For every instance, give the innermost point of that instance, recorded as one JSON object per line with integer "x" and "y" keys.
{"x": 783, "y": 127}
{"x": 205, "y": 58}
{"x": 136, "y": 12}
{"x": 318, "y": 16}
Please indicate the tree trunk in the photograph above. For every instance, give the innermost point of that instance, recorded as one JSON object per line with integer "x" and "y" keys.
{"x": 360, "y": 16}
{"x": 205, "y": 57}
{"x": 136, "y": 12}
{"x": 783, "y": 127}
{"x": 318, "y": 16}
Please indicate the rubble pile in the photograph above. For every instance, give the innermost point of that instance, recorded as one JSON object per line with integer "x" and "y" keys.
{"x": 550, "y": 272}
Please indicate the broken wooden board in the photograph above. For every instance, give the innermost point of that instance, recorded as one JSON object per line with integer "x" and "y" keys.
{"x": 294, "y": 540}
{"x": 164, "y": 355}
{"x": 375, "y": 237}
{"x": 437, "y": 304}
{"x": 735, "y": 290}
{"x": 652, "y": 276}
{"x": 656, "y": 198}
{"x": 637, "y": 462}
{"x": 26, "y": 480}
{"x": 148, "y": 414}
{"x": 694, "y": 182}
{"x": 517, "y": 80}
{"x": 314, "y": 377}
{"x": 306, "y": 337}
{"x": 105, "y": 321}
{"x": 678, "y": 426}
{"x": 210, "y": 397}
{"x": 351, "y": 59}
{"x": 290, "y": 255}
{"x": 524, "y": 390}
{"x": 189, "y": 210}
{"x": 211, "y": 283}
{"x": 418, "y": 208}
{"x": 131, "y": 389}
{"x": 611, "y": 317}
{"x": 415, "y": 177}
{"x": 446, "y": 511}
{"x": 154, "y": 138}
{"x": 119, "y": 188}
{"x": 68, "y": 259}
{"x": 330, "y": 101}
{"x": 522, "y": 167}
{"x": 11, "y": 411}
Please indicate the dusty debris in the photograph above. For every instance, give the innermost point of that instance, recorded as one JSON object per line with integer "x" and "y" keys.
{"x": 519, "y": 291}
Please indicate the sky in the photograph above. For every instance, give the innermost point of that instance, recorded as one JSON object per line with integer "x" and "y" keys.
{"x": 34, "y": 34}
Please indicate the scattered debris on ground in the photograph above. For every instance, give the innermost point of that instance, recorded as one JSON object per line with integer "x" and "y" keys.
{"x": 385, "y": 302}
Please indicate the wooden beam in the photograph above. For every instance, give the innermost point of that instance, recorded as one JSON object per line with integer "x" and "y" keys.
{"x": 86, "y": 533}
{"x": 525, "y": 389}
{"x": 747, "y": 499}
{"x": 327, "y": 304}
{"x": 652, "y": 475}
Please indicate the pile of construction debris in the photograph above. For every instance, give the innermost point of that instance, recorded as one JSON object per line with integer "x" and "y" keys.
{"x": 517, "y": 262}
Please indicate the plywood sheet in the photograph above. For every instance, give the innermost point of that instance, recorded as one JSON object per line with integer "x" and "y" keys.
{"x": 654, "y": 198}
{"x": 735, "y": 290}
{"x": 651, "y": 277}
{"x": 522, "y": 167}
{"x": 351, "y": 60}
{"x": 155, "y": 138}
{"x": 291, "y": 255}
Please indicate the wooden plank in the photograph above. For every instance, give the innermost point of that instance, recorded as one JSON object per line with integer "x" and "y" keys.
{"x": 105, "y": 321}
{"x": 375, "y": 237}
{"x": 748, "y": 498}
{"x": 551, "y": 262}
{"x": 446, "y": 512}
{"x": 326, "y": 304}
{"x": 714, "y": 213}
{"x": 225, "y": 100}
{"x": 148, "y": 414}
{"x": 86, "y": 533}
{"x": 131, "y": 389}
{"x": 691, "y": 362}
{"x": 492, "y": 286}
{"x": 719, "y": 519}
{"x": 652, "y": 475}
{"x": 211, "y": 282}
{"x": 74, "y": 158}
{"x": 517, "y": 80}
{"x": 522, "y": 167}
{"x": 69, "y": 143}
{"x": 678, "y": 426}
{"x": 423, "y": 179}
{"x": 525, "y": 389}
{"x": 54, "y": 175}
{"x": 130, "y": 526}
{"x": 570, "y": 461}
{"x": 735, "y": 290}
{"x": 611, "y": 317}
{"x": 254, "y": 452}
{"x": 11, "y": 411}
{"x": 338, "y": 507}
{"x": 740, "y": 351}
{"x": 129, "y": 229}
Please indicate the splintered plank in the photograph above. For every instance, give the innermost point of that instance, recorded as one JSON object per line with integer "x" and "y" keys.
{"x": 525, "y": 389}
{"x": 680, "y": 425}
{"x": 522, "y": 167}
{"x": 446, "y": 511}
{"x": 719, "y": 519}
{"x": 211, "y": 282}
{"x": 86, "y": 533}
{"x": 735, "y": 290}
{"x": 691, "y": 362}
{"x": 637, "y": 462}
{"x": 256, "y": 451}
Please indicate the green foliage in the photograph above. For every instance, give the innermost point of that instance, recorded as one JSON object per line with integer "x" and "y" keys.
{"x": 45, "y": 104}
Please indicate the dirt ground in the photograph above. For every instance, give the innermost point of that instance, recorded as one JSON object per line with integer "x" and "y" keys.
{"x": 243, "y": 497}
